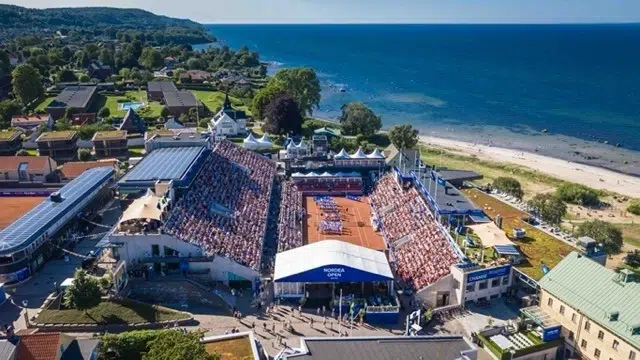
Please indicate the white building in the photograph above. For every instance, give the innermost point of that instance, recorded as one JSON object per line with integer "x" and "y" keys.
{"x": 228, "y": 122}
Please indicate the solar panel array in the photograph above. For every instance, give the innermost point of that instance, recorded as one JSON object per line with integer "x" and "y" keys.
{"x": 38, "y": 220}
{"x": 164, "y": 164}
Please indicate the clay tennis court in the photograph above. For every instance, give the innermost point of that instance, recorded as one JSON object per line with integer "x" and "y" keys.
{"x": 355, "y": 216}
{"x": 12, "y": 208}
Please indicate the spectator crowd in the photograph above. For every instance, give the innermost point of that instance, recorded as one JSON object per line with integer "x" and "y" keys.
{"x": 225, "y": 209}
{"x": 290, "y": 220}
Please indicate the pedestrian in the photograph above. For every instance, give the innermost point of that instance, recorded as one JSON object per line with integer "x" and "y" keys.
{"x": 264, "y": 324}
{"x": 324, "y": 322}
{"x": 333, "y": 313}
{"x": 253, "y": 325}
{"x": 318, "y": 311}
{"x": 273, "y": 327}
{"x": 324, "y": 310}
{"x": 311, "y": 322}
{"x": 300, "y": 310}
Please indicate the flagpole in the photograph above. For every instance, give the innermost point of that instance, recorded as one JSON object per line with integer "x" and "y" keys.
{"x": 340, "y": 314}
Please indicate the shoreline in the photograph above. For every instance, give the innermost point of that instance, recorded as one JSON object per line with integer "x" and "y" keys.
{"x": 588, "y": 175}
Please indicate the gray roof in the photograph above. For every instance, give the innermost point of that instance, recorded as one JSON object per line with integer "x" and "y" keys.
{"x": 80, "y": 349}
{"x": 73, "y": 96}
{"x": 7, "y": 349}
{"x": 459, "y": 175}
{"x": 180, "y": 98}
{"x": 384, "y": 348}
{"x": 597, "y": 292}
{"x": 41, "y": 219}
{"x": 163, "y": 164}
{"x": 447, "y": 196}
{"x": 161, "y": 86}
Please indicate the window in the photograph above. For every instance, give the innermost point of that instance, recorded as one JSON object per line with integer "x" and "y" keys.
{"x": 574, "y": 316}
{"x": 571, "y": 336}
{"x": 456, "y": 284}
{"x": 495, "y": 283}
{"x": 587, "y": 326}
{"x": 505, "y": 280}
{"x": 482, "y": 285}
{"x": 615, "y": 344}
{"x": 471, "y": 287}
{"x": 632, "y": 355}
{"x": 561, "y": 309}
{"x": 550, "y": 302}
{"x": 583, "y": 344}
{"x": 600, "y": 335}
{"x": 596, "y": 354}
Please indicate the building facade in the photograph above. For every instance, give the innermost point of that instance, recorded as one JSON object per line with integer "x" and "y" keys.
{"x": 110, "y": 144}
{"x": 60, "y": 145}
{"x": 10, "y": 142}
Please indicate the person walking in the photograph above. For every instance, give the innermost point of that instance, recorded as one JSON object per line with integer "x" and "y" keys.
{"x": 311, "y": 322}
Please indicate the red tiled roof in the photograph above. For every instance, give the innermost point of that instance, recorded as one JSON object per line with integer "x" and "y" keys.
{"x": 24, "y": 118}
{"x": 43, "y": 346}
{"x": 10, "y": 163}
{"x": 72, "y": 170}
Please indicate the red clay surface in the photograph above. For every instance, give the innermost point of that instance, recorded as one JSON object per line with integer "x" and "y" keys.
{"x": 12, "y": 208}
{"x": 355, "y": 216}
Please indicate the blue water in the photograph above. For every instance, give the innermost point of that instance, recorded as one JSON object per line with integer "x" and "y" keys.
{"x": 576, "y": 80}
{"x": 131, "y": 105}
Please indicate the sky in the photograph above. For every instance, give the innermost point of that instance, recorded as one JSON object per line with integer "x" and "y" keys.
{"x": 374, "y": 11}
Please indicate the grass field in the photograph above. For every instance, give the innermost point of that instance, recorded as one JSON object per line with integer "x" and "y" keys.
{"x": 231, "y": 349}
{"x": 113, "y": 104}
{"x": 108, "y": 312}
{"x": 215, "y": 99}
{"x": 630, "y": 233}
{"x": 44, "y": 103}
{"x": 538, "y": 247}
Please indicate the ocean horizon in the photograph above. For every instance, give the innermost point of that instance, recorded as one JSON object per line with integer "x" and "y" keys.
{"x": 511, "y": 83}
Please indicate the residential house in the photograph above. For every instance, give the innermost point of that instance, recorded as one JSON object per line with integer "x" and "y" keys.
{"x": 195, "y": 76}
{"x": 83, "y": 118}
{"x": 155, "y": 89}
{"x": 31, "y": 122}
{"x": 76, "y": 98}
{"x": 98, "y": 70}
{"x": 228, "y": 121}
{"x": 56, "y": 346}
{"x": 180, "y": 102}
{"x": 26, "y": 169}
{"x": 73, "y": 169}
{"x": 170, "y": 62}
{"x": 110, "y": 144}
{"x": 10, "y": 142}
{"x": 60, "y": 145}
{"x": 132, "y": 123}
{"x": 187, "y": 137}
{"x": 405, "y": 159}
{"x": 597, "y": 308}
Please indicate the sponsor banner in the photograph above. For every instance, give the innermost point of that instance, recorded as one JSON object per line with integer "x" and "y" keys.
{"x": 5, "y": 193}
{"x": 551, "y": 333}
{"x": 488, "y": 273}
{"x": 335, "y": 274}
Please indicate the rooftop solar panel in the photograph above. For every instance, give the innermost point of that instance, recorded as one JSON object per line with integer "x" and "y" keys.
{"x": 41, "y": 218}
{"x": 164, "y": 164}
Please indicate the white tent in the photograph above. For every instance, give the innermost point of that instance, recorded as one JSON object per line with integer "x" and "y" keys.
{"x": 359, "y": 154}
{"x": 264, "y": 142}
{"x": 302, "y": 145}
{"x": 326, "y": 174}
{"x": 342, "y": 155}
{"x": 298, "y": 174}
{"x": 145, "y": 207}
{"x": 375, "y": 154}
{"x": 250, "y": 142}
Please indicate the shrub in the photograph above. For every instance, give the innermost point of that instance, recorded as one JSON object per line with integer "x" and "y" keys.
{"x": 509, "y": 185}
{"x": 604, "y": 233}
{"x": 634, "y": 208}
{"x": 578, "y": 194}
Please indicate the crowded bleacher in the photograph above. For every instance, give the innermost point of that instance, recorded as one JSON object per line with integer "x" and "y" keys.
{"x": 290, "y": 219}
{"x": 225, "y": 210}
{"x": 421, "y": 253}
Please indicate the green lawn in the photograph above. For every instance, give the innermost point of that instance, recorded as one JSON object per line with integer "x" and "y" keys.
{"x": 214, "y": 100}
{"x": 123, "y": 312}
{"x": 32, "y": 152}
{"x": 630, "y": 233}
{"x": 151, "y": 109}
{"x": 44, "y": 103}
{"x": 136, "y": 152}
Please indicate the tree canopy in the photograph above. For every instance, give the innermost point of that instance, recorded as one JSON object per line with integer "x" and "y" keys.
{"x": 151, "y": 59}
{"x": 283, "y": 116}
{"x": 84, "y": 293}
{"x": 404, "y": 136}
{"x": 264, "y": 97}
{"x": 604, "y": 233}
{"x": 633, "y": 258}
{"x": 27, "y": 85}
{"x": 302, "y": 84}
{"x": 578, "y": 194}
{"x": 357, "y": 119}
{"x": 84, "y": 154}
{"x": 173, "y": 344}
{"x": 509, "y": 185}
{"x": 634, "y": 207}
{"x": 549, "y": 207}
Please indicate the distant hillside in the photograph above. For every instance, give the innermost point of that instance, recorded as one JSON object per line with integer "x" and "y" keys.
{"x": 16, "y": 17}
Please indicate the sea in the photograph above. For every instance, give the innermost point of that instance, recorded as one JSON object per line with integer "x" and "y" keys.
{"x": 574, "y": 87}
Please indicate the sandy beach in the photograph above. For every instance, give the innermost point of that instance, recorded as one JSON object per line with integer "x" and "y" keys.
{"x": 595, "y": 177}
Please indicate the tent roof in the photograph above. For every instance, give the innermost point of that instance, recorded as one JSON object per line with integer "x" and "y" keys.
{"x": 359, "y": 154}
{"x": 264, "y": 139}
{"x": 145, "y": 207}
{"x": 490, "y": 234}
{"x": 301, "y": 145}
{"x": 342, "y": 155}
{"x": 332, "y": 261}
{"x": 375, "y": 154}
{"x": 250, "y": 138}
{"x": 297, "y": 174}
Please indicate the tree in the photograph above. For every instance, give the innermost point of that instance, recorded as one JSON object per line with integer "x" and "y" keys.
{"x": 404, "y": 136}
{"x": 357, "y": 118}
{"x": 633, "y": 258}
{"x": 66, "y": 75}
{"x": 283, "y": 116}
{"x": 63, "y": 124}
{"x": 84, "y": 154}
{"x": 549, "y": 207}
{"x": 604, "y": 233}
{"x": 27, "y": 85}
{"x": 165, "y": 112}
{"x": 302, "y": 84}
{"x": 264, "y": 97}
{"x": 104, "y": 113}
{"x": 84, "y": 293}
{"x": 634, "y": 208}
{"x": 106, "y": 57}
{"x": 173, "y": 344}
{"x": 128, "y": 345}
{"x": 22, "y": 152}
{"x": 578, "y": 194}
{"x": 84, "y": 78}
{"x": 8, "y": 108}
{"x": 509, "y": 185}
{"x": 151, "y": 59}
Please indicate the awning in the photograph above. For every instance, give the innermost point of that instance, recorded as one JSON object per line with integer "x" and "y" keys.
{"x": 507, "y": 250}
{"x": 502, "y": 342}
{"x": 145, "y": 207}
{"x": 479, "y": 218}
{"x": 332, "y": 261}
{"x": 490, "y": 234}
